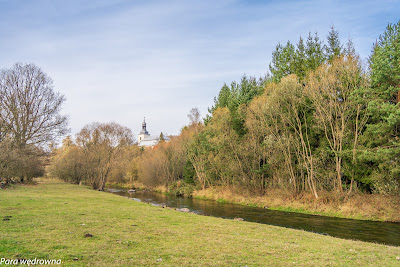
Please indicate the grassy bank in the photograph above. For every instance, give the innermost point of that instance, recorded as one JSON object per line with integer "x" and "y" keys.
{"x": 50, "y": 221}
{"x": 160, "y": 189}
{"x": 356, "y": 206}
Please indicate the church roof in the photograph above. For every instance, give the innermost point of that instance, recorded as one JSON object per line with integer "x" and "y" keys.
{"x": 154, "y": 137}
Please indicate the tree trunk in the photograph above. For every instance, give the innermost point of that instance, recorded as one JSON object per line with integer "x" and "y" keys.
{"x": 354, "y": 149}
{"x": 398, "y": 95}
{"x": 338, "y": 171}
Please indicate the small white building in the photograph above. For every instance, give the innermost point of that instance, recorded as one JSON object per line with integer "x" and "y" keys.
{"x": 147, "y": 140}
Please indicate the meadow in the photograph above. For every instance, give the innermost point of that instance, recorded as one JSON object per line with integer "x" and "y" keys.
{"x": 81, "y": 226}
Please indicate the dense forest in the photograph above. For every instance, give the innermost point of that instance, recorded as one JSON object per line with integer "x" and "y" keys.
{"x": 321, "y": 121}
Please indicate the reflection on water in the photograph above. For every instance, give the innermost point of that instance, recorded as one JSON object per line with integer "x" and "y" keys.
{"x": 370, "y": 231}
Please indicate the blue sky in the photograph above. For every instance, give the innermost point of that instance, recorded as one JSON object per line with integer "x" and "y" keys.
{"x": 123, "y": 60}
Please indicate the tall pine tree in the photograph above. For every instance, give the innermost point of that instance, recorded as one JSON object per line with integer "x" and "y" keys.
{"x": 314, "y": 52}
{"x": 333, "y": 48}
{"x": 381, "y": 137}
{"x": 300, "y": 60}
{"x": 282, "y": 61}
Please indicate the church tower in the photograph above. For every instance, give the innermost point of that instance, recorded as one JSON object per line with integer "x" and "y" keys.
{"x": 143, "y": 133}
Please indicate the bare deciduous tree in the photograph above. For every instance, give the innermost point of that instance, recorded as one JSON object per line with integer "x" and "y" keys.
{"x": 29, "y": 107}
{"x": 280, "y": 118}
{"x": 331, "y": 88}
{"x": 194, "y": 116}
{"x": 101, "y": 143}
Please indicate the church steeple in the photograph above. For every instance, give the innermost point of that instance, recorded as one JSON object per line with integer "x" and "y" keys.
{"x": 144, "y": 131}
{"x": 145, "y": 140}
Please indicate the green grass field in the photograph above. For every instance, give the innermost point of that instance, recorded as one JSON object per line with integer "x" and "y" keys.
{"x": 50, "y": 221}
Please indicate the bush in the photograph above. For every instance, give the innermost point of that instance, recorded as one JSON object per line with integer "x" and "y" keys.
{"x": 181, "y": 188}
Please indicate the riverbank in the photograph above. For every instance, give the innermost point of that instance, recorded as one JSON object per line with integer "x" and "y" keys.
{"x": 374, "y": 207}
{"x": 80, "y": 226}
{"x": 356, "y": 206}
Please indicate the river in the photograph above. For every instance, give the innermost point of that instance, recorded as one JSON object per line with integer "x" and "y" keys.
{"x": 369, "y": 231}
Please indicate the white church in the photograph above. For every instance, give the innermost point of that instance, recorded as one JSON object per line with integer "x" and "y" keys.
{"x": 147, "y": 140}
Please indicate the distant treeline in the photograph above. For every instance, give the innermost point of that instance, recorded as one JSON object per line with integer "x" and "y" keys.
{"x": 318, "y": 122}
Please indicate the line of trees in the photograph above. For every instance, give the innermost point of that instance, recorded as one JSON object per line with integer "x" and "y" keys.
{"x": 318, "y": 122}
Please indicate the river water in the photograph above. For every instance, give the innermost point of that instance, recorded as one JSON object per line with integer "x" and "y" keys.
{"x": 370, "y": 231}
